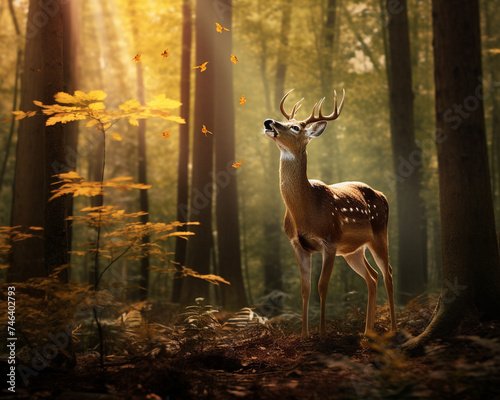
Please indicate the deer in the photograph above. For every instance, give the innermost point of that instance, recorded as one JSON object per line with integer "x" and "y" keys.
{"x": 342, "y": 219}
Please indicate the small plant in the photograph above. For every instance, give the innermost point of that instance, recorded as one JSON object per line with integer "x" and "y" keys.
{"x": 199, "y": 324}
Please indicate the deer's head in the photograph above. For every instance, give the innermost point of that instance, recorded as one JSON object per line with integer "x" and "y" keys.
{"x": 292, "y": 136}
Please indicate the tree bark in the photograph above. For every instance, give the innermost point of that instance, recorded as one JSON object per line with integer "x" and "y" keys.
{"x": 471, "y": 265}
{"x": 56, "y": 232}
{"x": 27, "y": 258}
{"x": 228, "y": 230}
{"x": 199, "y": 245}
{"x": 71, "y": 61}
{"x": 273, "y": 215}
{"x": 143, "y": 178}
{"x": 183, "y": 163}
{"x": 412, "y": 268}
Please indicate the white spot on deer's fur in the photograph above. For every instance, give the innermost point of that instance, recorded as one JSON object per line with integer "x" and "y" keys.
{"x": 346, "y": 219}
{"x": 351, "y": 210}
{"x": 374, "y": 206}
{"x": 344, "y": 210}
{"x": 353, "y": 220}
{"x": 357, "y": 209}
{"x": 335, "y": 197}
{"x": 333, "y": 213}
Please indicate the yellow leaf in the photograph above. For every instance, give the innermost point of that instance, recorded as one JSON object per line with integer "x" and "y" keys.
{"x": 205, "y": 131}
{"x": 98, "y": 95}
{"x": 161, "y": 102}
{"x": 165, "y": 53}
{"x": 242, "y": 99}
{"x": 97, "y": 106}
{"x": 133, "y": 121}
{"x": 116, "y": 136}
{"x": 237, "y": 164}
{"x": 220, "y": 28}
{"x": 166, "y": 134}
{"x": 65, "y": 98}
{"x": 137, "y": 58}
{"x": 129, "y": 105}
{"x": 234, "y": 58}
{"x": 92, "y": 122}
{"x": 202, "y": 67}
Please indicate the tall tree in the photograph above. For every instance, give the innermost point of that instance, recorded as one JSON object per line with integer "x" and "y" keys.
{"x": 228, "y": 231}
{"x": 55, "y": 226}
{"x": 471, "y": 265}
{"x": 27, "y": 258}
{"x": 200, "y": 210}
{"x": 19, "y": 55}
{"x": 412, "y": 268}
{"x": 142, "y": 158}
{"x": 272, "y": 214}
{"x": 71, "y": 61}
{"x": 183, "y": 163}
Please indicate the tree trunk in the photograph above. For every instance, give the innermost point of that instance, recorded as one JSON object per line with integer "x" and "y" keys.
{"x": 228, "y": 231}
{"x": 27, "y": 258}
{"x": 471, "y": 266}
{"x": 55, "y": 233}
{"x": 412, "y": 269}
{"x": 183, "y": 163}
{"x": 199, "y": 245}
{"x": 142, "y": 175}
{"x": 329, "y": 156}
{"x": 273, "y": 215}
{"x": 19, "y": 55}
{"x": 71, "y": 51}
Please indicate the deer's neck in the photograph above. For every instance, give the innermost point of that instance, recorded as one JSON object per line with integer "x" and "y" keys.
{"x": 294, "y": 185}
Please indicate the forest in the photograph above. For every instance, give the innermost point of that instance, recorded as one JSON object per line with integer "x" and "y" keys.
{"x": 159, "y": 236}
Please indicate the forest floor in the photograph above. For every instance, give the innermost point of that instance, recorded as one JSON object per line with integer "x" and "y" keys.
{"x": 271, "y": 361}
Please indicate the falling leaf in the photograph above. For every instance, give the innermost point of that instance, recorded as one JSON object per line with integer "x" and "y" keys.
{"x": 166, "y": 134}
{"x": 202, "y": 67}
{"x": 116, "y": 136}
{"x": 237, "y": 164}
{"x": 165, "y": 53}
{"x": 220, "y": 28}
{"x": 234, "y": 58}
{"x": 137, "y": 58}
{"x": 242, "y": 99}
{"x": 205, "y": 131}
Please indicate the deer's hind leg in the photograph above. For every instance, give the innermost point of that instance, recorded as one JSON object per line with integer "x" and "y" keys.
{"x": 304, "y": 261}
{"x": 358, "y": 262}
{"x": 380, "y": 251}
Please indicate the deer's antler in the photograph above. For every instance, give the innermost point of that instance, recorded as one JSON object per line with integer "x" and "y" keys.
{"x": 294, "y": 109}
{"x": 312, "y": 118}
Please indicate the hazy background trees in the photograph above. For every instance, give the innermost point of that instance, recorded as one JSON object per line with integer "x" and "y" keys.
{"x": 311, "y": 46}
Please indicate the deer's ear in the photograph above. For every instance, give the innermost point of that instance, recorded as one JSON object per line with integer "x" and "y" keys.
{"x": 316, "y": 129}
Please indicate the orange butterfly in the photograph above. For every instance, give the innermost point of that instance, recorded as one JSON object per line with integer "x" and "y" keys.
{"x": 205, "y": 131}
{"x": 237, "y": 164}
{"x": 220, "y": 28}
{"x": 202, "y": 67}
{"x": 234, "y": 58}
{"x": 242, "y": 99}
{"x": 166, "y": 134}
{"x": 165, "y": 53}
{"x": 137, "y": 58}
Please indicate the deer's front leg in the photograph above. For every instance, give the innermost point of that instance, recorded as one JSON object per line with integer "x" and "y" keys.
{"x": 304, "y": 261}
{"x": 324, "y": 279}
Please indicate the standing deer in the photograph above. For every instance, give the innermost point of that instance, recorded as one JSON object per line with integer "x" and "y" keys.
{"x": 342, "y": 219}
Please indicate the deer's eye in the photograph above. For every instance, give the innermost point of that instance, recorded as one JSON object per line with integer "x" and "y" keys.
{"x": 295, "y": 128}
